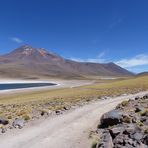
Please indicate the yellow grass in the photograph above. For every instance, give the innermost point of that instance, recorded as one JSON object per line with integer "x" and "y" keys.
{"x": 80, "y": 93}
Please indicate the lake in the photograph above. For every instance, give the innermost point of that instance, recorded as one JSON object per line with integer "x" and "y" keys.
{"x": 23, "y": 85}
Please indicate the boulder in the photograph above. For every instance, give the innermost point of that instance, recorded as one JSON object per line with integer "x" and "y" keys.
{"x": 58, "y": 112}
{"x": 111, "y": 118}
{"x": 3, "y": 130}
{"x": 138, "y": 136}
{"x": 106, "y": 141}
{"x": 145, "y": 139}
{"x": 139, "y": 109}
{"x": 137, "y": 98}
{"x": 131, "y": 129}
{"x": 18, "y": 122}
{"x": 115, "y": 131}
{"x": 145, "y": 96}
{"x": 3, "y": 121}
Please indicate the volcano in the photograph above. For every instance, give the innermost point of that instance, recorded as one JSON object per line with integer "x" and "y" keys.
{"x": 29, "y": 62}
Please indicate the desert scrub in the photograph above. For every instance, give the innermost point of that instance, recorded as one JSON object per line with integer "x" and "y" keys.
{"x": 95, "y": 139}
{"x": 139, "y": 123}
{"x": 9, "y": 117}
{"x": 44, "y": 111}
{"x": 146, "y": 131}
{"x": 1, "y": 126}
{"x": 124, "y": 103}
{"x": 144, "y": 113}
{"x": 20, "y": 113}
{"x": 94, "y": 144}
{"x": 26, "y": 117}
{"x": 126, "y": 119}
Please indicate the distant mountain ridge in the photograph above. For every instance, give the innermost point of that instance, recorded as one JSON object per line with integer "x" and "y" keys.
{"x": 27, "y": 61}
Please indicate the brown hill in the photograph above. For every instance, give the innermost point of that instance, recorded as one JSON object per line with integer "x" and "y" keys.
{"x": 142, "y": 74}
{"x": 29, "y": 62}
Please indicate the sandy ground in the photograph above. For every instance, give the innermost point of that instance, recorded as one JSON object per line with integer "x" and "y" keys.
{"x": 70, "y": 130}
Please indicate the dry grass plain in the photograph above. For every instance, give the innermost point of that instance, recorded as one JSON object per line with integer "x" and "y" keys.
{"x": 22, "y": 104}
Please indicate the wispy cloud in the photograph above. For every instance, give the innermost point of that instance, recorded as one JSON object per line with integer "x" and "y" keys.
{"x": 99, "y": 59}
{"x": 138, "y": 60}
{"x": 16, "y": 40}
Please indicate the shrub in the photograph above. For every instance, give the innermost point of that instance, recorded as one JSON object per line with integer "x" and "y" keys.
{"x": 26, "y": 117}
{"x": 144, "y": 113}
{"x": 124, "y": 103}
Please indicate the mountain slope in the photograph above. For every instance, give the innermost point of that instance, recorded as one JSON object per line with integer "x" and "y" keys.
{"x": 26, "y": 61}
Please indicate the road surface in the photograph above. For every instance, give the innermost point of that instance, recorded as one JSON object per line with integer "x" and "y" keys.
{"x": 70, "y": 130}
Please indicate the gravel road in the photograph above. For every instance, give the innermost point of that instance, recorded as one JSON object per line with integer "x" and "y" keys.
{"x": 70, "y": 130}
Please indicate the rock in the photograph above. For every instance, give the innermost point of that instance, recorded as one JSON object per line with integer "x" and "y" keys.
{"x": 138, "y": 136}
{"x": 129, "y": 146}
{"x": 145, "y": 96}
{"x": 66, "y": 107}
{"x": 146, "y": 122}
{"x": 119, "y": 139}
{"x": 143, "y": 119}
{"x": 141, "y": 145}
{"x": 137, "y": 98}
{"x": 3, "y": 121}
{"x": 145, "y": 139}
{"x": 115, "y": 131}
{"x": 106, "y": 141}
{"x": 45, "y": 112}
{"x": 3, "y": 130}
{"x": 132, "y": 142}
{"x": 135, "y": 119}
{"x": 18, "y": 122}
{"x": 127, "y": 124}
{"x": 131, "y": 129}
{"x": 139, "y": 109}
{"x": 58, "y": 112}
{"x": 111, "y": 118}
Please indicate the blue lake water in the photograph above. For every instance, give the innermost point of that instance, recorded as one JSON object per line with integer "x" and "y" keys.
{"x": 23, "y": 85}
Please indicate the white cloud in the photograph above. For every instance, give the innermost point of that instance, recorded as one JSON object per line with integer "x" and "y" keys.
{"x": 138, "y": 60}
{"x": 16, "y": 39}
{"x": 98, "y": 59}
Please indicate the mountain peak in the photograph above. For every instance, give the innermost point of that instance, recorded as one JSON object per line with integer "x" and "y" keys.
{"x": 29, "y": 53}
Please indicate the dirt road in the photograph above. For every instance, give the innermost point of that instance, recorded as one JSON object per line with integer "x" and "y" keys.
{"x": 69, "y": 130}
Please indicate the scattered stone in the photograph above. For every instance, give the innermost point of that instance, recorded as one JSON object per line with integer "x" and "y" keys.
{"x": 4, "y": 121}
{"x": 127, "y": 125}
{"x": 106, "y": 141}
{"x": 111, "y": 118}
{"x": 66, "y": 107}
{"x": 18, "y": 122}
{"x": 3, "y": 130}
{"x": 139, "y": 109}
{"x": 58, "y": 112}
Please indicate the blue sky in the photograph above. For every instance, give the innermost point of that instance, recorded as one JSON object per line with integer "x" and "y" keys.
{"x": 83, "y": 30}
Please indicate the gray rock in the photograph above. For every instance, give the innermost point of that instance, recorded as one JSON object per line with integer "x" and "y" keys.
{"x": 58, "y": 112}
{"x": 119, "y": 139}
{"x": 111, "y": 118}
{"x": 145, "y": 139}
{"x": 145, "y": 96}
{"x": 18, "y": 122}
{"x": 131, "y": 129}
{"x": 3, "y": 130}
{"x": 139, "y": 109}
{"x": 3, "y": 121}
{"x": 137, "y": 98}
{"x": 106, "y": 141}
{"x": 66, "y": 107}
{"x": 138, "y": 136}
{"x": 115, "y": 131}
{"x": 141, "y": 145}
